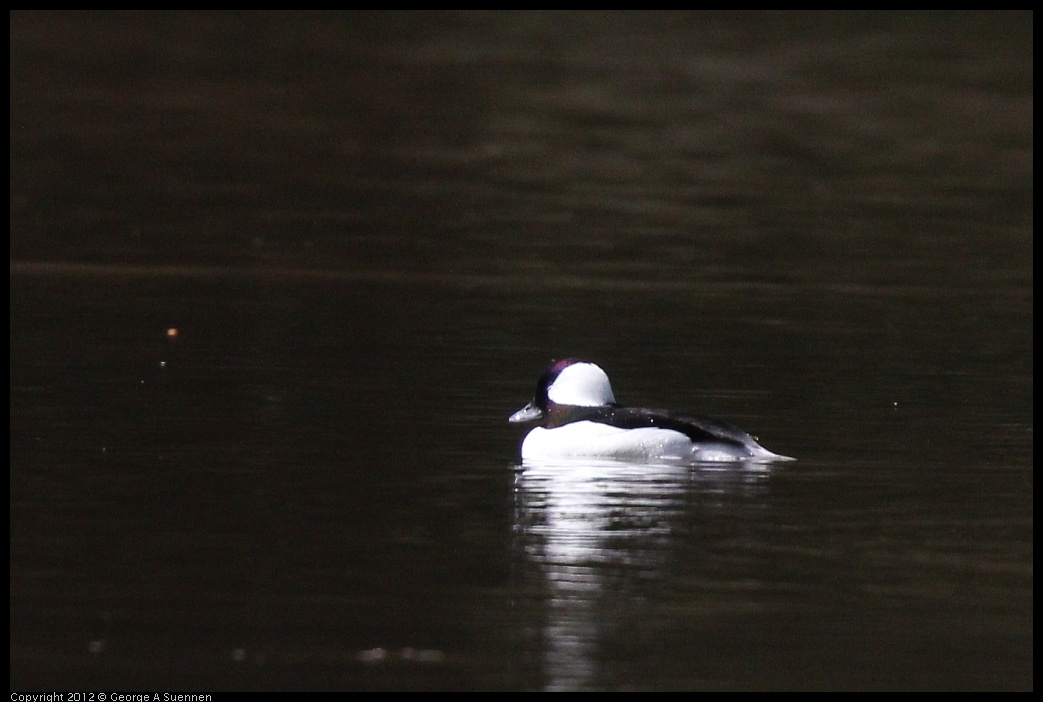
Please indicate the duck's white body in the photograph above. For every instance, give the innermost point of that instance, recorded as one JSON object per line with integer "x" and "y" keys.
{"x": 581, "y": 419}
{"x": 597, "y": 440}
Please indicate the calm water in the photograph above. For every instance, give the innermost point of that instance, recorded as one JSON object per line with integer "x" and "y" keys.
{"x": 371, "y": 232}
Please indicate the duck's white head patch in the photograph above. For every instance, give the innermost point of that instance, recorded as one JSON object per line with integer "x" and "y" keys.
{"x": 582, "y": 384}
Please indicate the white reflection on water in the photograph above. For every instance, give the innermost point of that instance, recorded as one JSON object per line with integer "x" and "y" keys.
{"x": 596, "y": 539}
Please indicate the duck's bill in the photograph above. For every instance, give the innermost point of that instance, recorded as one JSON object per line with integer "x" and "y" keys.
{"x": 527, "y": 413}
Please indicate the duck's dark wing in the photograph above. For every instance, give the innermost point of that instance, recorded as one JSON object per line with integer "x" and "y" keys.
{"x": 698, "y": 429}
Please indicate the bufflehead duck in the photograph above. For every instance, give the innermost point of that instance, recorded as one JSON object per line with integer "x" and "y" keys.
{"x": 580, "y": 418}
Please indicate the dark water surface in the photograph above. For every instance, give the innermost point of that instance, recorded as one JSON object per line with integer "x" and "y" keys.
{"x": 372, "y": 231}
